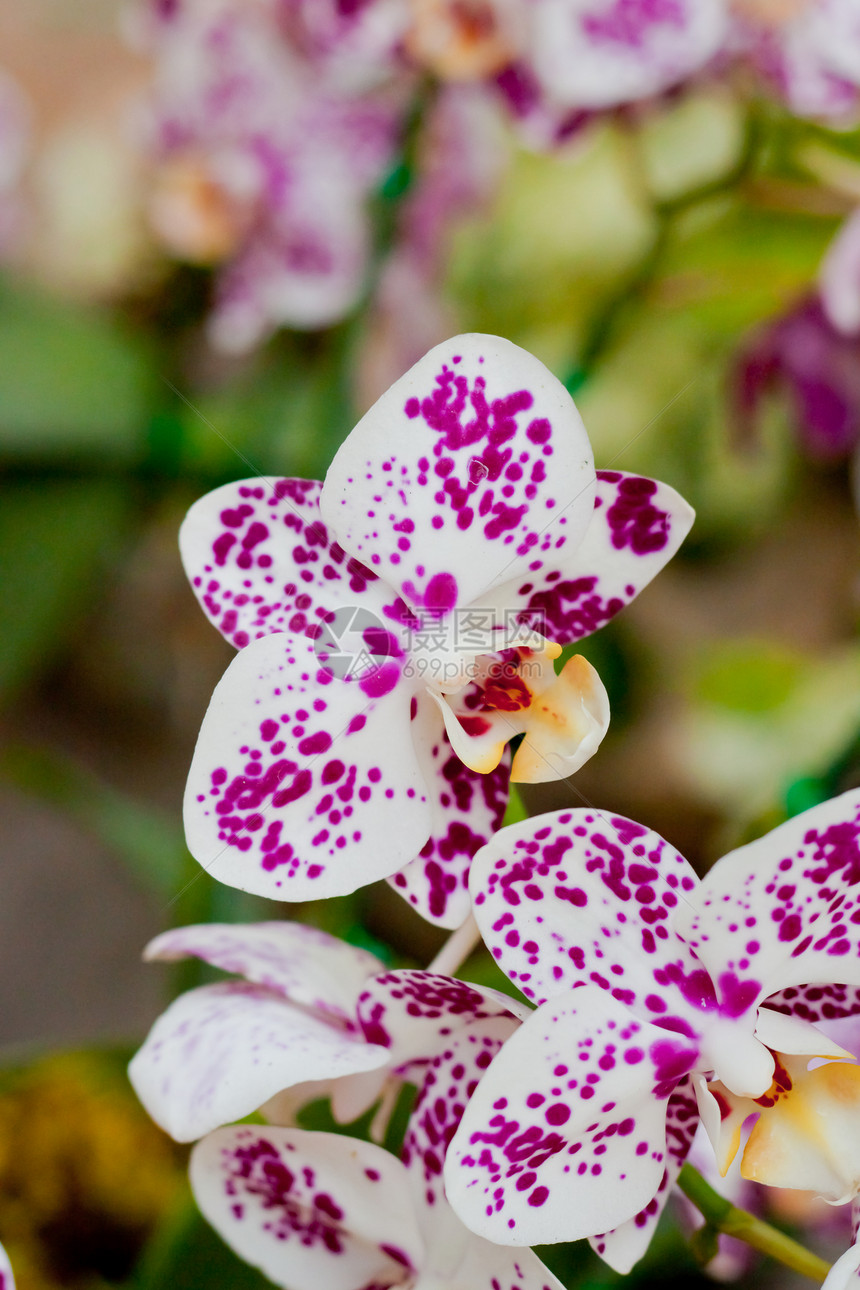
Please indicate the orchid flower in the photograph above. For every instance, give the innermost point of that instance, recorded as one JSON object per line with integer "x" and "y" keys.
{"x": 310, "y": 1015}
{"x": 313, "y": 1209}
{"x": 461, "y": 538}
{"x": 660, "y": 999}
{"x": 809, "y": 51}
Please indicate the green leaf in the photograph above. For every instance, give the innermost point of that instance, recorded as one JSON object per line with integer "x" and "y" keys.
{"x": 186, "y": 1254}
{"x": 73, "y": 380}
{"x": 54, "y": 539}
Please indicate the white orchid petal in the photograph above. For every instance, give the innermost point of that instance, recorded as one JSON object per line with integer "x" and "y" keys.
{"x": 474, "y": 468}
{"x": 626, "y": 1245}
{"x": 637, "y": 525}
{"x": 7, "y": 1281}
{"x": 597, "y": 54}
{"x": 414, "y": 1014}
{"x": 578, "y": 897}
{"x": 449, "y": 1080}
{"x": 260, "y": 560}
{"x": 565, "y": 1135}
{"x": 845, "y": 1272}
{"x": 480, "y": 1265}
{"x": 309, "y": 1209}
{"x": 789, "y": 1034}
{"x": 297, "y": 774}
{"x": 220, "y": 1051}
{"x": 304, "y": 964}
{"x": 778, "y": 912}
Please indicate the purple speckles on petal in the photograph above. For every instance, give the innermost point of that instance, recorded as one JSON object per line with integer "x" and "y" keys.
{"x": 291, "y": 1203}
{"x": 441, "y": 593}
{"x": 648, "y": 979}
{"x": 466, "y": 457}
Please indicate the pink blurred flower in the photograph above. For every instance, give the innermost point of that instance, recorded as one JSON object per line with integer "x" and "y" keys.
{"x": 264, "y": 165}
{"x": 598, "y": 54}
{"x": 813, "y": 353}
{"x": 817, "y": 366}
{"x": 808, "y": 50}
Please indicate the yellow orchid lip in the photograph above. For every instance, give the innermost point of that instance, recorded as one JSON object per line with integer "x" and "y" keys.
{"x": 808, "y": 1138}
{"x": 563, "y": 716}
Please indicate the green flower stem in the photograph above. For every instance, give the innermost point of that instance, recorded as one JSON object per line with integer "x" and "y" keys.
{"x": 612, "y": 314}
{"x": 722, "y": 1215}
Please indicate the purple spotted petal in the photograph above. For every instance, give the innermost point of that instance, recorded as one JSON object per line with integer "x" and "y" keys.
{"x": 817, "y": 1002}
{"x": 261, "y": 560}
{"x": 467, "y": 808}
{"x": 415, "y": 1014}
{"x": 627, "y": 1244}
{"x": 638, "y": 525}
{"x": 449, "y": 1081}
{"x": 309, "y": 1209}
{"x": 7, "y": 1281}
{"x": 302, "y": 963}
{"x": 565, "y": 1135}
{"x": 221, "y": 1051}
{"x": 473, "y": 469}
{"x": 578, "y": 897}
{"x": 783, "y": 910}
{"x": 300, "y": 789}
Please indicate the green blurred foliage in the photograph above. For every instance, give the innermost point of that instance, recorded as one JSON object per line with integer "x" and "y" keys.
{"x": 58, "y": 540}
{"x": 75, "y": 382}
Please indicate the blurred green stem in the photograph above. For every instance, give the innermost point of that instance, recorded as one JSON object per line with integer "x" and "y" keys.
{"x": 722, "y": 1216}
{"x": 609, "y": 318}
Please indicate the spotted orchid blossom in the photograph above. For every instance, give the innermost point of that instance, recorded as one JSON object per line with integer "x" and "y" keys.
{"x": 660, "y": 999}
{"x": 314, "y": 1209}
{"x": 460, "y": 539}
{"x": 263, "y": 166}
{"x": 808, "y": 50}
{"x": 309, "y": 1016}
